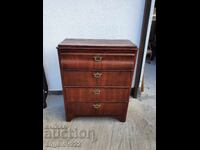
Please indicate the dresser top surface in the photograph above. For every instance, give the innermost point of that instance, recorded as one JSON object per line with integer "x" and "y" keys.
{"x": 97, "y": 43}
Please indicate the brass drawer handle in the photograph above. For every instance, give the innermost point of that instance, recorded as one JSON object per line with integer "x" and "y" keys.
{"x": 96, "y": 106}
{"x": 97, "y": 91}
{"x": 97, "y": 75}
{"x": 98, "y": 58}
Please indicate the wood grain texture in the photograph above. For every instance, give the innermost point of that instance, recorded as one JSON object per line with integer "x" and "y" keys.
{"x": 96, "y": 42}
{"x": 87, "y": 78}
{"x": 87, "y": 61}
{"x": 117, "y": 110}
{"x": 97, "y": 94}
{"x": 96, "y": 76}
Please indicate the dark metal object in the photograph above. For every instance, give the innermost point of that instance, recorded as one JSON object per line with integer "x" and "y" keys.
{"x": 45, "y": 90}
{"x": 135, "y": 91}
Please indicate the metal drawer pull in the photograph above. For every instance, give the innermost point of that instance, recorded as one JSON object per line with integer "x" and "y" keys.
{"x": 96, "y": 106}
{"x": 97, "y": 75}
{"x": 97, "y": 58}
{"x": 97, "y": 91}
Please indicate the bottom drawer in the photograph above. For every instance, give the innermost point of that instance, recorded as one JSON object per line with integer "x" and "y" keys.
{"x": 96, "y": 109}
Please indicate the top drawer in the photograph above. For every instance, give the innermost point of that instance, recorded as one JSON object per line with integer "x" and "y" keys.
{"x": 108, "y": 61}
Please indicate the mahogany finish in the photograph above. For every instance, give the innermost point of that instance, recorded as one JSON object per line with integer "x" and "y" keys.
{"x": 97, "y": 94}
{"x": 117, "y": 110}
{"x": 96, "y": 43}
{"x": 93, "y": 78}
{"x": 87, "y": 61}
{"x": 96, "y": 76}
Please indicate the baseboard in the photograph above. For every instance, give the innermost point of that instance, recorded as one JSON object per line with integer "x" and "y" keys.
{"x": 59, "y": 92}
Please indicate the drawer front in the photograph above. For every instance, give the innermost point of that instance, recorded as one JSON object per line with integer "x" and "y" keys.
{"x": 97, "y": 78}
{"x": 94, "y": 109}
{"x": 97, "y": 94}
{"x": 97, "y": 61}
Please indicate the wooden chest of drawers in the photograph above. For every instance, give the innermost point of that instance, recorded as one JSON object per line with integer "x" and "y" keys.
{"x": 96, "y": 76}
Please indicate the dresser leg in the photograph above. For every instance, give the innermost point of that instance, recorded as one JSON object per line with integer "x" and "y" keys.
{"x": 122, "y": 118}
{"x": 69, "y": 117}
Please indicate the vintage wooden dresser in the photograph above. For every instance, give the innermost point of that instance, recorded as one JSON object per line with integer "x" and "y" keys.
{"x": 96, "y": 76}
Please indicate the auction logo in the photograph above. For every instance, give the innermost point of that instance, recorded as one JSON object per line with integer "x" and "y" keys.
{"x": 63, "y": 136}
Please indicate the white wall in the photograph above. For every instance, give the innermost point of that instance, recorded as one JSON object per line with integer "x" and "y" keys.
{"x": 107, "y": 19}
